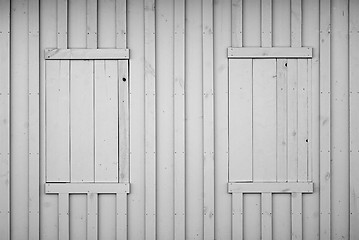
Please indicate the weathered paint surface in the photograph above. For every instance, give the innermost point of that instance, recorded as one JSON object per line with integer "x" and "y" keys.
{"x": 180, "y": 102}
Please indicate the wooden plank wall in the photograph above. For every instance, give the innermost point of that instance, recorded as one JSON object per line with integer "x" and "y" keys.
{"x": 5, "y": 119}
{"x": 183, "y": 186}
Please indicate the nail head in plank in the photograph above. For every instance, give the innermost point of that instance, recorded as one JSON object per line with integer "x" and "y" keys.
{"x": 276, "y": 52}
{"x": 271, "y": 187}
{"x": 86, "y": 54}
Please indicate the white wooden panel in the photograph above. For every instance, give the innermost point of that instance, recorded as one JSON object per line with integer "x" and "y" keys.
{"x": 268, "y": 52}
{"x": 34, "y": 119}
{"x": 121, "y": 216}
{"x": 5, "y": 119}
{"x": 86, "y": 54}
{"x": 282, "y": 216}
{"x": 271, "y": 187}
{"x": 237, "y": 23}
{"x": 296, "y": 23}
{"x": 121, "y": 23}
{"x": 107, "y": 216}
{"x": 179, "y": 121}
{"x": 57, "y": 121}
{"x": 63, "y": 213}
{"x": 282, "y": 77}
{"x": 106, "y": 24}
{"x": 123, "y": 115}
{"x": 281, "y": 23}
{"x": 208, "y": 119}
{"x": 106, "y": 121}
{"x": 266, "y": 23}
{"x": 252, "y": 216}
{"x": 82, "y": 121}
{"x": 251, "y": 23}
{"x": 292, "y": 120}
{"x": 266, "y": 208}
{"x": 264, "y": 119}
{"x": 325, "y": 121}
{"x": 78, "y": 216}
{"x": 77, "y": 24}
{"x": 92, "y": 216}
{"x": 354, "y": 118}
{"x": 62, "y": 15}
{"x": 302, "y": 120}
{"x": 91, "y": 21}
{"x": 297, "y": 219}
{"x": 237, "y": 216}
{"x": 150, "y": 120}
{"x": 240, "y": 120}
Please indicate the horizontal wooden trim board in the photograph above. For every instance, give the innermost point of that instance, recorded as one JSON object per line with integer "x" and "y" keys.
{"x": 271, "y": 187}
{"x": 87, "y": 188}
{"x": 276, "y": 52}
{"x": 86, "y": 54}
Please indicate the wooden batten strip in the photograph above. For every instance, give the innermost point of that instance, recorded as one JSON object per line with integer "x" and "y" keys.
{"x": 150, "y": 120}
{"x": 121, "y": 216}
{"x": 179, "y": 83}
{"x": 86, "y": 54}
{"x": 121, "y": 24}
{"x": 64, "y": 219}
{"x": 208, "y": 120}
{"x": 325, "y": 116}
{"x": 5, "y": 119}
{"x": 271, "y": 187}
{"x": 266, "y": 209}
{"x": 55, "y": 188}
{"x": 237, "y": 23}
{"x": 354, "y": 116}
{"x": 266, "y": 24}
{"x": 34, "y": 119}
{"x": 265, "y": 52}
{"x": 296, "y": 23}
{"x": 237, "y": 216}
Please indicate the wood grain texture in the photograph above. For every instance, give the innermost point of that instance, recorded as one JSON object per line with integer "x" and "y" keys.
{"x": 325, "y": 120}
{"x": 208, "y": 120}
{"x": 179, "y": 121}
{"x": 150, "y": 120}
{"x": 5, "y": 119}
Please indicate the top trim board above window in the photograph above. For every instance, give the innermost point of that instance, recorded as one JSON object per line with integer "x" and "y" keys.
{"x": 86, "y": 54}
{"x": 276, "y": 52}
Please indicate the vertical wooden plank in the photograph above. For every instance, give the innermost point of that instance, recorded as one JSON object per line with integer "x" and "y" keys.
{"x": 354, "y": 117}
{"x": 282, "y": 77}
{"x": 121, "y": 216}
{"x": 297, "y": 220}
{"x": 64, "y": 223}
{"x": 34, "y": 119}
{"x": 266, "y": 208}
{"x": 5, "y": 119}
{"x": 78, "y": 216}
{"x": 281, "y": 23}
{"x": 62, "y": 23}
{"x": 266, "y": 25}
{"x": 57, "y": 121}
{"x": 296, "y": 23}
{"x": 240, "y": 120}
{"x": 92, "y": 216}
{"x": 251, "y": 23}
{"x": 302, "y": 120}
{"x": 237, "y": 26}
{"x": 237, "y": 216}
{"x": 309, "y": 122}
{"x": 292, "y": 120}
{"x": 325, "y": 123}
{"x": 124, "y": 136}
{"x": 91, "y": 19}
{"x": 107, "y": 216}
{"x": 82, "y": 122}
{"x": 281, "y": 216}
{"x": 251, "y": 216}
{"x": 208, "y": 119}
{"x": 106, "y": 121}
{"x": 179, "y": 86}
{"x": 121, "y": 24}
{"x": 264, "y": 120}
{"x": 150, "y": 119}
